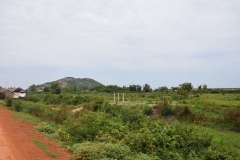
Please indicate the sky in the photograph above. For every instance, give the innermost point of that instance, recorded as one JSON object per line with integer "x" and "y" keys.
{"x": 120, "y": 42}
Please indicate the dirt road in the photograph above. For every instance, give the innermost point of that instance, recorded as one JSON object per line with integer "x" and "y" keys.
{"x": 17, "y": 141}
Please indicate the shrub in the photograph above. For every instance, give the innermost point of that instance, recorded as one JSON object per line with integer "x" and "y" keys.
{"x": 101, "y": 150}
{"x": 86, "y": 127}
{"x": 18, "y": 105}
{"x": 35, "y": 110}
{"x": 97, "y": 104}
{"x": 166, "y": 110}
{"x": 8, "y": 101}
{"x": 33, "y": 98}
{"x": 185, "y": 113}
{"x": 232, "y": 116}
{"x": 147, "y": 110}
{"x": 45, "y": 128}
{"x": 140, "y": 141}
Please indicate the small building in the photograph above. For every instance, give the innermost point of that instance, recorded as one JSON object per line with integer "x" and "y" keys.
{"x": 13, "y": 93}
{"x": 174, "y": 89}
{"x": 19, "y": 93}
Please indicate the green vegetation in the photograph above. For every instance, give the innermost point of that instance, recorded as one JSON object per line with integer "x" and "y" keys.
{"x": 32, "y": 88}
{"x": 8, "y": 101}
{"x": 44, "y": 148}
{"x": 55, "y": 88}
{"x": 148, "y": 125}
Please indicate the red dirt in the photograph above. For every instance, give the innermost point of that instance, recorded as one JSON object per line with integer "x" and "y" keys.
{"x": 17, "y": 140}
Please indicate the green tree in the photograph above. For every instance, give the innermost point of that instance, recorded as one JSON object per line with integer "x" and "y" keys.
{"x": 162, "y": 89}
{"x": 46, "y": 89}
{"x": 135, "y": 88}
{"x": 200, "y": 87}
{"x": 186, "y": 86}
{"x": 147, "y": 88}
{"x": 138, "y": 87}
{"x": 71, "y": 89}
{"x": 132, "y": 88}
{"x": 204, "y": 86}
{"x": 85, "y": 88}
{"x": 185, "y": 89}
{"x": 32, "y": 88}
{"x": 55, "y": 88}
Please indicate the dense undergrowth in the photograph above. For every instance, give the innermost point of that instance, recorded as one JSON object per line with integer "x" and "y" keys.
{"x": 104, "y": 131}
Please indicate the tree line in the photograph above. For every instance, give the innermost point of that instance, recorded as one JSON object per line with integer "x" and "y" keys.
{"x": 183, "y": 89}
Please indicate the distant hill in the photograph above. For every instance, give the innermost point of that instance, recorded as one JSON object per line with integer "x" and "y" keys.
{"x": 71, "y": 81}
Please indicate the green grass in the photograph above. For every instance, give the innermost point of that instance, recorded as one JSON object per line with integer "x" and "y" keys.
{"x": 200, "y": 109}
{"x": 23, "y": 117}
{"x": 227, "y": 100}
{"x": 44, "y": 148}
{"x": 227, "y": 137}
{"x": 2, "y": 103}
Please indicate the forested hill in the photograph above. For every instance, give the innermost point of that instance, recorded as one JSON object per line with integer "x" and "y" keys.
{"x": 71, "y": 81}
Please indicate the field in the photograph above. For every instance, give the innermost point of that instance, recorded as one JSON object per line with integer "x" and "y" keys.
{"x": 152, "y": 125}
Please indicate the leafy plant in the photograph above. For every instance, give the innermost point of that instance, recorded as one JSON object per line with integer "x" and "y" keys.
{"x": 18, "y": 106}
{"x": 8, "y": 101}
{"x": 99, "y": 150}
{"x": 166, "y": 110}
{"x": 44, "y": 127}
{"x": 147, "y": 110}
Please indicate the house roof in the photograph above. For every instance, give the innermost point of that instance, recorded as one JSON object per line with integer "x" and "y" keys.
{"x": 18, "y": 89}
{"x": 13, "y": 90}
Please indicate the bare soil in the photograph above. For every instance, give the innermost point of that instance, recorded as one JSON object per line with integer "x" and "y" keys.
{"x": 17, "y": 140}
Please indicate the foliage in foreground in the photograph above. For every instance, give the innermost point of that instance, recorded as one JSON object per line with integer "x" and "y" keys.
{"x": 8, "y": 101}
{"x": 103, "y": 131}
{"x": 154, "y": 139}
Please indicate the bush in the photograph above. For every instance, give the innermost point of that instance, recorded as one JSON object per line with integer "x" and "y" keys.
{"x": 147, "y": 110}
{"x": 18, "y": 105}
{"x": 101, "y": 150}
{"x": 141, "y": 141}
{"x": 232, "y": 116}
{"x": 186, "y": 113}
{"x": 166, "y": 110}
{"x": 86, "y": 127}
{"x": 8, "y": 101}
{"x": 45, "y": 128}
{"x": 33, "y": 98}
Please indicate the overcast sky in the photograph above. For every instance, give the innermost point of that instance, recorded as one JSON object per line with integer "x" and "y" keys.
{"x": 120, "y": 42}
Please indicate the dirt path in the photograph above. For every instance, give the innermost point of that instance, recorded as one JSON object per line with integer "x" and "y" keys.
{"x": 17, "y": 141}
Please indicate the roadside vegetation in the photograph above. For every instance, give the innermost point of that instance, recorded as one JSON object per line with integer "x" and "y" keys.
{"x": 164, "y": 124}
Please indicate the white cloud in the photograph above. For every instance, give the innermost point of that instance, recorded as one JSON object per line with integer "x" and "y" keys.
{"x": 129, "y": 35}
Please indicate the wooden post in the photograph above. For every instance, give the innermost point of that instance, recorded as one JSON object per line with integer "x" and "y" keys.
{"x": 118, "y": 96}
{"x": 123, "y": 98}
{"x": 114, "y": 98}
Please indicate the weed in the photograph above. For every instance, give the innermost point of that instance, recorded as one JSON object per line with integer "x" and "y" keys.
{"x": 44, "y": 148}
{"x": 44, "y": 127}
{"x": 147, "y": 110}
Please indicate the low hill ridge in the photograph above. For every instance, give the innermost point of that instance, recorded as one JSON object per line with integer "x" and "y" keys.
{"x": 71, "y": 81}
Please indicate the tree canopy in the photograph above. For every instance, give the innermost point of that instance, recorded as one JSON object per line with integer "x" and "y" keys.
{"x": 32, "y": 88}
{"x": 184, "y": 89}
{"x": 55, "y": 88}
{"x": 147, "y": 88}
